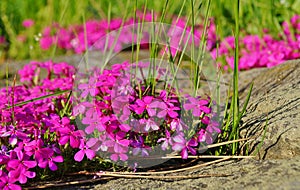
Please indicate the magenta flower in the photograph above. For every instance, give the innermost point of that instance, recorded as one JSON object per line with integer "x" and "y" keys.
{"x": 145, "y": 104}
{"x": 13, "y": 133}
{"x": 167, "y": 109}
{"x": 125, "y": 127}
{"x": 90, "y": 88}
{"x": 28, "y": 72}
{"x": 115, "y": 157}
{"x": 178, "y": 124}
{"x": 7, "y": 183}
{"x": 78, "y": 109}
{"x": 46, "y": 42}
{"x": 18, "y": 168}
{"x": 85, "y": 149}
{"x": 50, "y": 161}
{"x": 119, "y": 146}
{"x": 139, "y": 147}
{"x": 149, "y": 124}
{"x": 21, "y": 174}
{"x": 167, "y": 141}
{"x": 207, "y": 134}
{"x": 121, "y": 107}
{"x": 198, "y": 106}
{"x": 2, "y": 40}
{"x": 67, "y": 134}
{"x": 95, "y": 123}
{"x": 36, "y": 148}
{"x": 3, "y": 158}
{"x": 180, "y": 144}
{"x": 93, "y": 110}
{"x": 22, "y": 160}
{"x": 28, "y": 23}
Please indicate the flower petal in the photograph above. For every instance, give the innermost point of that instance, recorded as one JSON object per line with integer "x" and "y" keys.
{"x": 58, "y": 159}
{"x": 90, "y": 154}
{"x": 79, "y": 156}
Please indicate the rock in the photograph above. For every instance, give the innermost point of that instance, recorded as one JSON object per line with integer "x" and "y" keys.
{"x": 244, "y": 174}
{"x": 275, "y": 107}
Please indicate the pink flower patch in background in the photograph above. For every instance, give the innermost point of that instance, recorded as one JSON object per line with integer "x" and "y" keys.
{"x": 27, "y": 23}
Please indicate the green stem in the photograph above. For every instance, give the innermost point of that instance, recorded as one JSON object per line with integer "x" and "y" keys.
{"x": 235, "y": 98}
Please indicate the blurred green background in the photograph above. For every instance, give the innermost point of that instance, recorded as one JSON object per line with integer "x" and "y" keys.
{"x": 255, "y": 16}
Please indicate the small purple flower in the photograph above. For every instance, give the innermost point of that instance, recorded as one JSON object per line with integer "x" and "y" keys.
{"x": 198, "y": 106}
{"x": 95, "y": 123}
{"x": 145, "y": 104}
{"x": 90, "y": 88}
{"x": 140, "y": 147}
{"x": 50, "y": 160}
{"x": 180, "y": 144}
{"x": 28, "y": 23}
{"x": 167, "y": 141}
{"x": 13, "y": 133}
{"x": 7, "y": 183}
{"x": 68, "y": 134}
{"x": 85, "y": 149}
{"x": 167, "y": 109}
{"x": 149, "y": 124}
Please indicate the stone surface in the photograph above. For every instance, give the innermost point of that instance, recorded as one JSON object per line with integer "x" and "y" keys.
{"x": 244, "y": 174}
{"x": 275, "y": 108}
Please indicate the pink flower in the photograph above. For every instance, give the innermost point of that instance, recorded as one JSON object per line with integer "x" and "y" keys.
{"x": 21, "y": 38}
{"x": 181, "y": 144}
{"x": 2, "y": 40}
{"x": 145, "y": 104}
{"x": 140, "y": 147}
{"x": 95, "y": 123}
{"x": 46, "y": 42}
{"x": 50, "y": 161}
{"x": 86, "y": 149}
{"x": 90, "y": 88}
{"x": 7, "y": 183}
{"x": 198, "y": 106}
{"x": 118, "y": 147}
{"x": 166, "y": 141}
{"x": 167, "y": 109}
{"x": 28, "y": 23}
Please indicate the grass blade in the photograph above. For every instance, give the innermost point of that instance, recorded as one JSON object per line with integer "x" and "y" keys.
{"x": 39, "y": 98}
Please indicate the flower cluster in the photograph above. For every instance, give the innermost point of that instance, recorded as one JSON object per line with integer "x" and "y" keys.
{"x": 98, "y": 34}
{"x": 122, "y": 119}
{"x": 27, "y": 23}
{"x": 255, "y": 51}
{"x": 33, "y": 134}
{"x": 263, "y": 51}
{"x": 94, "y": 34}
{"x": 39, "y": 120}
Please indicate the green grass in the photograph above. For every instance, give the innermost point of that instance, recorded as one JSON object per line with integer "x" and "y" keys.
{"x": 257, "y": 15}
